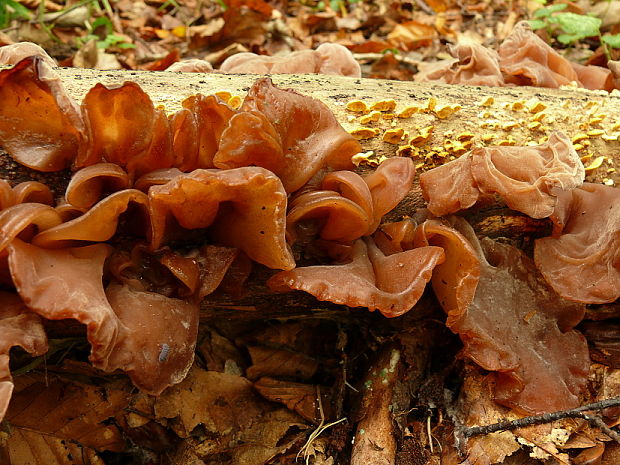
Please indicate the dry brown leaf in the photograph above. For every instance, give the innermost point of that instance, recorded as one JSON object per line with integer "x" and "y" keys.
{"x": 277, "y": 362}
{"x": 298, "y": 397}
{"x": 540, "y": 441}
{"x": 36, "y": 448}
{"x": 479, "y": 408}
{"x": 274, "y": 434}
{"x": 220, "y": 401}
{"x": 610, "y": 389}
{"x": 238, "y": 421}
{"x": 53, "y": 417}
{"x": 411, "y": 35}
{"x": 611, "y": 456}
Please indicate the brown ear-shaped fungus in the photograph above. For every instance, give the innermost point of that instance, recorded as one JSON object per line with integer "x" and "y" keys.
{"x": 99, "y": 223}
{"x": 156, "y": 339}
{"x": 338, "y": 60}
{"x": 395, "y": 237}
{"x": 210, "y": 118}
{"x": 191, "y": 66}
{"x": 594, "y": 77}
{"x": 259, "y": 144}
{"x": 454, "y": 281}
{"x": 450, "y": 188}
{"x": 527, "y": 178}
{"x": 21, "y": 218}
{"x": 214, "y": 262}
{"x": 309, "y": 135}
{"x": 150, "y": 336}
{"x": 185, "y": 269}
{"x": 156, "y": 178}
{"x": 302, "y": 62}
{"x": 126, "y": 129}
{"x": 351, "y": 186}
{"x": 581, "y": 261}
{"x": 528, "y": 60}
{"x": 473, "y": 65}
{"x": 326, "y": 59}
{"x": 7, "y": 196}
{"x": 88, "y": 184}
{"x": 518, "y": 328}
{"x": 14, "y": 53}
{"x": 388, "y": 185}
{"x": 18, "y": 327}
{"x": 244, "y": 208}
{"x": 340, "y": 218}
{"x": 33, "y": 192}
{"x": 391, "y": 284}
{"x": 40, "y": 126}
{"x": 184, "y": 131}
{"x": 59, "y": 284}
{"x": 67, "y": 211}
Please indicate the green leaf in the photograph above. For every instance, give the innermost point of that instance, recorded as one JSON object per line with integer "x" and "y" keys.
{"x": 568, "y": 38}
{"x": 612, "y": 40}
{"x": 580, "y": 26}
{"x": 537, "y": 24}
{"x": 393, "y": 51}
{"x": 20, "y": 10}
{"x": 105, "y": 22}
{"x": 548, "y": 11}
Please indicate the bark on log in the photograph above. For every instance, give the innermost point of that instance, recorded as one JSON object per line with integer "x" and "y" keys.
{"x": 574, "y": 111}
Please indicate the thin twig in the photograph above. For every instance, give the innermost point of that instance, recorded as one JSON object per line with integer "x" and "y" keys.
{"x": 549, "y": 417}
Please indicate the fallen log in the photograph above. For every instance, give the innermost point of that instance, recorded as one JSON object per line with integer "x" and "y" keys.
{"x": 431, "y": 123}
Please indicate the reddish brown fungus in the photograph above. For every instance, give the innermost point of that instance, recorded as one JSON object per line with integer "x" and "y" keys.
{"x": 527, "y": 178}
{"x": 18, "y": 327}
{"x": 395, "y": 237}
{"x": 326, "y": 59}
{"x": 391, "y": 284}
{"x": 88, "y": 184}
{"x": 126, "y": 129}
{"x": 518, "y": 328}
{"x": 99, "y": 223}
{"x": 156, "y": 340}
{"x": 339, "y": 219}
{"x": 191, "y": 66}
{"x": 455, "y": 280}
{"x": 306, "y": 130}
{"x": 19, "y": 220}
{"x": 581, "y": 261}
{"x": 40, "y": 126}
{"x": 33, "y": 192}
{"x": 211, "y": 117}
{"x": 127, "y": 331}
{"x": 388, "y": 185}
{"x": 244, "y": 208}
{"x": 472, "y": 65}
{"x": 14, "y": 53}
{"x": 528, "y": 60}
{"x": 301, "y": 62}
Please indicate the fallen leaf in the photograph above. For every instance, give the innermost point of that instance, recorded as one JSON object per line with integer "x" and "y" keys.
{"x": 52, "y": 420}
{"x": 278, "y": 362}
{"x": 411, "y": 35}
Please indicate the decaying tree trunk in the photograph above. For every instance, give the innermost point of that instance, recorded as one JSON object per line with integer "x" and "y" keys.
{"x": 404, "y": 347}
{"x": 485, "y": 115}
